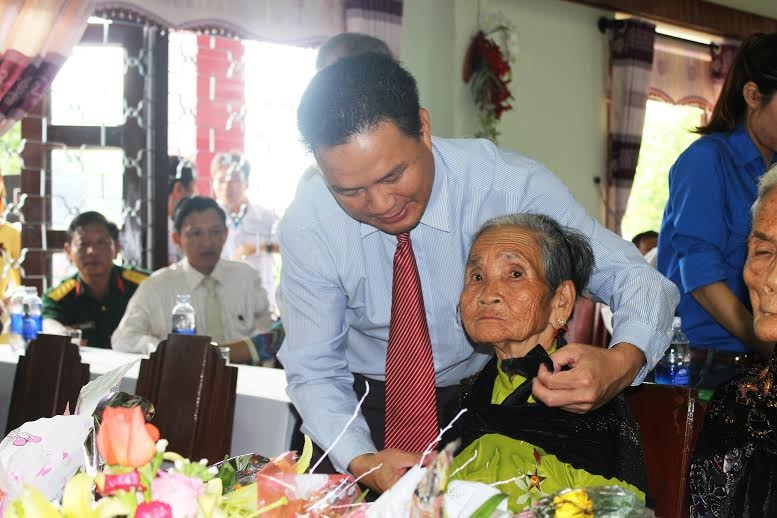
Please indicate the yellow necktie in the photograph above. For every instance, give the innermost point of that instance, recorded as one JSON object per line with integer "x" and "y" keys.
{"x": 214, "y": 326}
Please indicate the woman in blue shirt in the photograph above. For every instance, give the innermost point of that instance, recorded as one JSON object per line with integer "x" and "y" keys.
{"x": 712, "y": 185}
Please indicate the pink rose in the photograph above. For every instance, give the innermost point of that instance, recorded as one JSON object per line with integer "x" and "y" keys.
{"x": 153, "y": 510}
{"x": 178, "y": 491}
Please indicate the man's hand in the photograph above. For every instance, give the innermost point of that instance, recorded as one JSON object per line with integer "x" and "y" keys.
{"x": 596, "y": 375}
{"x": 394, "y": 464}
{"x": 243, "y": 251}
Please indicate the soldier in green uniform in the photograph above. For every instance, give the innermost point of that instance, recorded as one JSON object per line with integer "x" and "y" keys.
{"x": 94, "y": 299}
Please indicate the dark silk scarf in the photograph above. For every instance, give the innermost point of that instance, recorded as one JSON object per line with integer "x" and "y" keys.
{"x": 734, "y": 468}
{"x": 605, "y": 441}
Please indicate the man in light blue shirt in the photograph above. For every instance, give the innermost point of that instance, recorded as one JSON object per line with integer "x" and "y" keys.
{"x": 383, "y": 174}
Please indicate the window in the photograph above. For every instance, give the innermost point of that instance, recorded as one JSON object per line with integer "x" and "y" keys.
{"x": 668, "y": 130}
{"x": 227, "y": 95}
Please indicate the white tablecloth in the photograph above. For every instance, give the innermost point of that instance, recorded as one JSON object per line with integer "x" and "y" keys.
{"x": 263, "y": 421}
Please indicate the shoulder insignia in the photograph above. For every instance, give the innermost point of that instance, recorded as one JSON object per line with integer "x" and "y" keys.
{"x": 62, "y": 290}
{"x": 134, "y": 276}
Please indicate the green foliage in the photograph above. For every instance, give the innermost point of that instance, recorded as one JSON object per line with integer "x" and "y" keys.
{"x": 666, "y": 134}
{"x": 10, "y": 149}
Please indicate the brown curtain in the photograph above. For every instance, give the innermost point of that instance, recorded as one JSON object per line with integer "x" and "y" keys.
{"x": 379, "y": 18}
{"x": 37, "y": 36}
{"x": 722, "y": 57}
{"x": 631, "y": 60}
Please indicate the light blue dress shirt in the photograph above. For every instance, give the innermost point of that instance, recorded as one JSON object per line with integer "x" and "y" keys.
{"x": 335, "y": 291}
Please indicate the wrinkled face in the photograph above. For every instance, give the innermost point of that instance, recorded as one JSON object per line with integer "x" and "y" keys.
{"x": 201, "y": 239}
{"x": 228, "y": 186}
{"x": 505, "y": 296}
{"x": 760, "y": 271}
{"x": 762, "y": 124}
{"x": 92, "y": 250}
{"x": 382, "y": 177}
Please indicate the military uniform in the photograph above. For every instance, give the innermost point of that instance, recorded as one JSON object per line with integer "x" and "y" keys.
{"x": 72, "y": 305}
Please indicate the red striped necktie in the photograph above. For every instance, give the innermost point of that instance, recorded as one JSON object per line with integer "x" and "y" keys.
{"x": 411, "y": 402}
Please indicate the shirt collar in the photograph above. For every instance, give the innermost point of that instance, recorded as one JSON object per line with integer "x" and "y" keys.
{"x": 743, "y": 147}
{"x": 436, "y": 213}
{"x": 116, "y": 283}
{"x": 194, "y": 278}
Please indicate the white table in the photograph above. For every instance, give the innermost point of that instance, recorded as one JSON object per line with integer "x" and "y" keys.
{"x": 264, "y": 420}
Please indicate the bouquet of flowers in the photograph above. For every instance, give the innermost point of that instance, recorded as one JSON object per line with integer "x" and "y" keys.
{"x": 487, "y": 70}
{"x": 589, "y": 502}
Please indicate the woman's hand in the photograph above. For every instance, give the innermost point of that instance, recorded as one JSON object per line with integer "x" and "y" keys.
{"x": 596, "y": 375}
{"x": 393, "y": 464}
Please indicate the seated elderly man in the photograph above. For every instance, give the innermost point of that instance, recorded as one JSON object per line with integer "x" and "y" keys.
{"x": 734, "y": 470}
{"x": 95, "y": 297}
{"x": 229, "y": 301}
{"x": 522, "y": 277}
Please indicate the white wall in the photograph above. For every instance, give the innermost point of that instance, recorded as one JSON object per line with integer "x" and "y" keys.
{"x": 559, "y": 79}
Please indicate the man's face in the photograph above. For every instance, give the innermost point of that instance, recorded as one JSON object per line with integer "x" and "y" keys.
{"x": 92, "y": 250}
{"x": 179, "y": 192}
{"x": 228, "y": 186}
{"x": 760, "y": 272}
{"x": 382, "y": 177}
{"x": 201, "y": 239}
{"x": 647, "y": 244}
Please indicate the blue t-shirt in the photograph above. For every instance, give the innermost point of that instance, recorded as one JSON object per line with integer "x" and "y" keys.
{"x": 703, "y": 237}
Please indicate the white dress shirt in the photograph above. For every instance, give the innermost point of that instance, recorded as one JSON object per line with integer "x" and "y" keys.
{"x": 148, "y": 319}
{"x": 256, "y": 227}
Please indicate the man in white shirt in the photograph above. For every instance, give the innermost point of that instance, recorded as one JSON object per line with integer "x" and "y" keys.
{"x": 229, "y": 301}
{"x": 252, "y": 229}
{"x": 181, "y": 184}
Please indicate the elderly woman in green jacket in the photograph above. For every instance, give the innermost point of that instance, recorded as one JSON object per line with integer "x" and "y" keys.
{"x": 523, "y": 275}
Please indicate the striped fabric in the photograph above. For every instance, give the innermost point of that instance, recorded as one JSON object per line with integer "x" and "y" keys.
{"x": 411, "y": 401}
{"x": 379, "y": 18}
{"x": 336, "y": 282}
{"x": 631, "y": 60}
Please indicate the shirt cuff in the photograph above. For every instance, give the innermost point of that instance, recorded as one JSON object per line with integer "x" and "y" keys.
{"x": 701, "y": 269}
{"x": 252, "y": 351}
{"x": 348, "y": 448}
{"x": 653, "y": 343}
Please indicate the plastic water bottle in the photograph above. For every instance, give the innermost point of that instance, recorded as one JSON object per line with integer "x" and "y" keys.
{"x": 675, "y": 367}
{"x": 35, "y": 310}
{"x": 183, "y": 316}
{"x": 17, "y": 319}
{"x": 29, "y": 324}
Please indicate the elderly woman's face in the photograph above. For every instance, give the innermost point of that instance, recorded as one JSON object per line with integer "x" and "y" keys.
{"x": 505, "y": 296}
{"x": 760, "y": 271}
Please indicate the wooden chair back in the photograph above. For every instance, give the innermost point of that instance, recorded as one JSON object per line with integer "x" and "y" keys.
{"x": 193, "y": 391}
{"x": 48, "y": 376}
{"x": 586, "y": 325}
{"x": 670, "y": 419}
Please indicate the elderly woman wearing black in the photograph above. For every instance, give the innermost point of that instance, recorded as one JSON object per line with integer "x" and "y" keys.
{"x": 522, "y": 278}
{"x": 734, "y": 470}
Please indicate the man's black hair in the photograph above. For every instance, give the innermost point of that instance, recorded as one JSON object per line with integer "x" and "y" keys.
{"x": 354, "y": 95}
{"x": 644, "y": 235}
{"x": 195, "y": 204}
{"x": 92, "y": 218}
{"x": 180, "y": 170}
